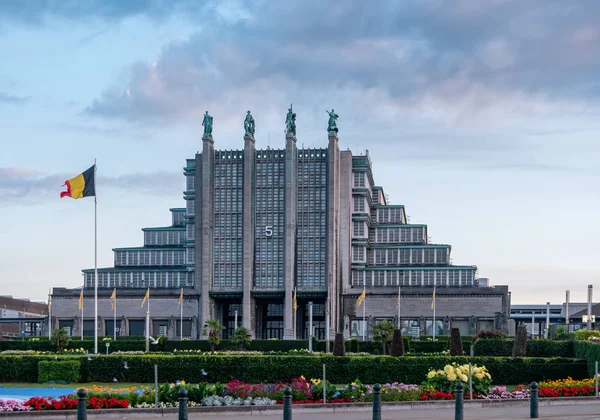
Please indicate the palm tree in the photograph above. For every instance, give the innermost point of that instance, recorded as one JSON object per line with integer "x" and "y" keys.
{"x": 241, "y": 337}
{"x": 60, "y": 339}
{"x": 385, "y": 329}
{"x": 212, "y": 329}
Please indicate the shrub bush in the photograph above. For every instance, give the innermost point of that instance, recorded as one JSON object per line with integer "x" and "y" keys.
{"x": 352, "y": 345}
{"x": 520, "y": 345}
{"x": 488, "y": 334}
{"x": 586, "y": 334}
{"x": 493, "y": 347}
{"x": 397, "y": 344}
{"x": 429, "y": 346}
{"x": 588, "y": 351}
{"x": 256, "y": 369}
{"x": 549, "y": 348}
{"x": 58, "y": 371}
{"x": 339, "y": 349}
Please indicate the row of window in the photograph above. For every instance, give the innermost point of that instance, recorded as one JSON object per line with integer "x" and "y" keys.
{"x": 388, "y": 215}
{"x": 190, "y": 206}
{"x": 462, "y": 277}
{"x": 163, "y": 237}
{"x": 227, "y": 249}
{"x": 400, "y": 256}
{"x": 151, "y": 257}
{"x": 190, "y": 182}
{"x": 139, "y": 279}
{"x": 397, "y": 235}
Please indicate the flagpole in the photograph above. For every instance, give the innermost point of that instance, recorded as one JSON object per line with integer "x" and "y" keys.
{"x": 81, "y": 325}
{"x": 148, "y": 323}
{"x": 95, "y": 264}
{"x": 295, "y": 310}
{"x": 399, "y": 323}
{"x": 49, "y": 314}
{"x": 433, "y": 326}
{"x": 181, "y": 320}
{"x": 364, "y": 312}
{"x": 115, "y": 316}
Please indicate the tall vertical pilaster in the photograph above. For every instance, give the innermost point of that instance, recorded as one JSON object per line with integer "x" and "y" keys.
{"x": 248, "y": 234}
{"x": 333, "y": 225}
{"x": 207, "y": 225}
{"x": 291, "y": 214}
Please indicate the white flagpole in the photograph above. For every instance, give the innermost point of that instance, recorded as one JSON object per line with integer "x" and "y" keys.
{"x": 81, "y": 324}
{"x": 364, "y": 312}
{"x": 148, "y": 324}
{"x": 399, "y": 324}
{"x": 95, "y": 264}
{"x": 433, "y": 326}
{"x": 295, "y": 310}
{"x": 49, "y": 314}
{"x": 181, "y": 321}
{"x": 115, "y": 315}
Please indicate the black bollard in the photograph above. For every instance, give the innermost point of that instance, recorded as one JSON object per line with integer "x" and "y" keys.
{"x": 183, "y": 412}
{"x": 376, "y": 402}
{"x": 533, "y": 410}
{"x": 458, "y": 409}
{"x": 287, "y": 404}
{"x": 81, "y": 405}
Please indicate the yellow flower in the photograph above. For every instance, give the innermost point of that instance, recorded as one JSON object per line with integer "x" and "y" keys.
{"x": 451, "y": 377}
{"x": 441, "y": 373}
{"x": 303, "y": 378}
{"x": 479, "y": 375}
{"x": 464, "y": 378}
{"x": 431, "y": 374}
{"x": 448, "y": 369}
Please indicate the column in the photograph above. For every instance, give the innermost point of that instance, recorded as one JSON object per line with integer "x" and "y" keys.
{"x": 206, "y": 226}
{"x": 289, "y": 244}
{"x": 333, "y": 223}
{"x": 248, "y": 234}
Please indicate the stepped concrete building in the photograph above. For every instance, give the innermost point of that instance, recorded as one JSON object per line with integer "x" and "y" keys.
{"x": 259, "y": 225}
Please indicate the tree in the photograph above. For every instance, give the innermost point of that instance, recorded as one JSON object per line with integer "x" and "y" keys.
{"x": 520, "y": 345}
{"x": 60, "y": 339}
{"x": 397, "y": 344}
{"x": 456, "y": 348}
{"x": 212, "y": 329}
{"x": 241, "y": 337}
{"x": 339, "y": 346}
{"x": 384, "y": 329}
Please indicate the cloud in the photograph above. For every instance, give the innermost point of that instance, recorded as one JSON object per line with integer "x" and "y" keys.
{"x": 6, "y": 98}
{"x": 457, "y": 59}
{"x": 28, "y": 186}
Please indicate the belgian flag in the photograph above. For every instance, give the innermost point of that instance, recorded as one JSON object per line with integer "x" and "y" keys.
{"x": 83, "y": 185}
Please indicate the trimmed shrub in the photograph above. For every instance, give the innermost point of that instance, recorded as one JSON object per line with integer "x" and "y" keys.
{"x": 550, "y": 348}
{"x": 493, "y": 347}
{"x": 428, "y": 346}
{"x": 352, "y": 345}
{"x": 520, "y": 344}
{"x": 397, "y": 344}
{"x": 586, "y": 334}
{"x": 456, "y": 348}
{"x": 588, "y": 351}
{"x": 339, "y": 348}
{"x": 256, "y": 369}
{"x": 488, "y": 334}
{"x": 58, "y": 371}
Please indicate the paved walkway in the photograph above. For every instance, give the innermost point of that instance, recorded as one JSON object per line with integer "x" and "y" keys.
{"x": 588, "y": 411}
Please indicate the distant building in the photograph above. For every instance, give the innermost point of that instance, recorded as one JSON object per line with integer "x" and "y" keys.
{"x": 260, "y": 224}
{"x": 21, "y": 316}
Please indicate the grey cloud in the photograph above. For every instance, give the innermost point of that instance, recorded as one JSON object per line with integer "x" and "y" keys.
{"x": 6, "y": 98}
{"x": 27, "y": 186}
{"x": 408, "y": 51}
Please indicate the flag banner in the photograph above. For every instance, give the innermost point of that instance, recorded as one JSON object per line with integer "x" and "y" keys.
{"x": 146, "y": 297}
{"x": 80, "y": 305}
{"x": 180, "y": 297}
{"x": 113, "y": 298}
{"x": 295, "y": 303}
{"x": 361, "y": 297}
{"x": 83, "y": 185}
{"x": 433, "y": 299}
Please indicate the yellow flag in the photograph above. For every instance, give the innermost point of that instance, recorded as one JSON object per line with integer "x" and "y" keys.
{"x": 433, "y": 299}
{"x": 295, "y": 303}
{"x": 113, "y": 298}
{"x": 80, "y": 300}
{"x": 146, "y": 297}
{"x": 180, "y": 297}
{"x": 362, "y": 296}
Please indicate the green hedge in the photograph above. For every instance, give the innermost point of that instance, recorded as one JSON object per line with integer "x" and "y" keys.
{"x": 535, "y": 348}
{"x": 119, "y": 345}
{"x": 257, "y": 369}
{"x": 588, "y": 351}
{"x": 59, "y": 370}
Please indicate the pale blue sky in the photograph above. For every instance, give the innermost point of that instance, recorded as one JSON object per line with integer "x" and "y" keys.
{"x": 481, "y": 117}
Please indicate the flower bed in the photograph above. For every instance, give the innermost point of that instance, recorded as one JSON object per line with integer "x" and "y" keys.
{"x": 70, "y": 402}
{"x": 12, "y": 405}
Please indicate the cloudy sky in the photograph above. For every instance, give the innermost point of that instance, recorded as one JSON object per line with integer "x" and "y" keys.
{"x": 481, "y": 117}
